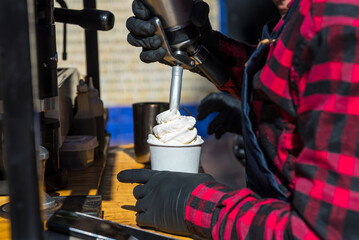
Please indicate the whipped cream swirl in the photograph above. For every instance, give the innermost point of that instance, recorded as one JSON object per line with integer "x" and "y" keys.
{"x": 174, "y": 129}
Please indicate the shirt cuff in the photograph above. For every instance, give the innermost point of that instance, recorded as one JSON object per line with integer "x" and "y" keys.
{"x": 201, "y": 205}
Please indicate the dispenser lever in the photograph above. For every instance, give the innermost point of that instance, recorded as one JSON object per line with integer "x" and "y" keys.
{"x": 177, "y": 57}
{"x": 91, "y": 19}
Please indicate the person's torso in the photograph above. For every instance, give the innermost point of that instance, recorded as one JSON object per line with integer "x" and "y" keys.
{"x": 276, "y": 95}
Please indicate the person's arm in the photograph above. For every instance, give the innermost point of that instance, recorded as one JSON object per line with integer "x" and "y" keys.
{"x": 324, "y": 202}
{"x": 233, "y": 54}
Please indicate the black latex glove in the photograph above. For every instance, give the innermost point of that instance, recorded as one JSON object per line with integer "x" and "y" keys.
{"x": 238, "y": 149}
{"x": 161, "y": 201}
{"x": 142, "y": 31}
{"x": 229, "y": 113}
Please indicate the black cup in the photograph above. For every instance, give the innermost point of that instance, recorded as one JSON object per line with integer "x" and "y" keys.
{"x": 144, "y": 119}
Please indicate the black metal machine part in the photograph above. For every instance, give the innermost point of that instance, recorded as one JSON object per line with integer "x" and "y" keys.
{"x": 46, "y": 50}
{"x": 28, "y": 74}
{"x": 64, "y": 51}
{"x": 19, "y": 79}
{"x": 91, "y": 19}
{"x": 91, "y": 44}
{"x": 48, "y": 90}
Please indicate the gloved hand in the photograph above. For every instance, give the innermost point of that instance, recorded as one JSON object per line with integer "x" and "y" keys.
{"x": 161, "y": 201}
{"x": 142, "y": 31}
{"x": 229, "y": 113}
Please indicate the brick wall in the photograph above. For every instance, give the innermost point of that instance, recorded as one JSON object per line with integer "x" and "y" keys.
{"x": 124, "y": 79}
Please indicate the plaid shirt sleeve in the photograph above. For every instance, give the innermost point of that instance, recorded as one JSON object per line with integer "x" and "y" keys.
{"x": 324, "y": 201}
{"x": 233, "y": 54}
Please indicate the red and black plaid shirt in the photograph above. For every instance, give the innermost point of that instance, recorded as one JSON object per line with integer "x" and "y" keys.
{"x": 306, "y": 104}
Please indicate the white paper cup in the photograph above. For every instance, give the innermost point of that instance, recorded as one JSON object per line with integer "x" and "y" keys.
{"x": 175, "y": 158}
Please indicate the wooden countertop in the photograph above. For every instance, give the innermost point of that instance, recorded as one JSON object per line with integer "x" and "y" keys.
{"x": 4, "y": 223}
{"x": 117, "y": 200}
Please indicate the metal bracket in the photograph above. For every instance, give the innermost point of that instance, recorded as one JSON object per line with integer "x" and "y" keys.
{"x": 177, "y": 57}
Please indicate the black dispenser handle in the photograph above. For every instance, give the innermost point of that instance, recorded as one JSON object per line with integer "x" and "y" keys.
{"x": 90, "y": 19}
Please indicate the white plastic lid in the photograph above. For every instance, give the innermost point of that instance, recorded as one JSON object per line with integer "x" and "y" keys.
{"x": 79, "y": 143}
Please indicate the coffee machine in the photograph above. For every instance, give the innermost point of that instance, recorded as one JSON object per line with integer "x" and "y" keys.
{"x": 34, "y": 92}
{"x": 56, "y": 95}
